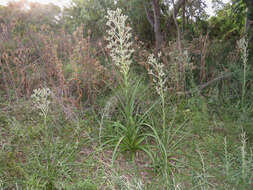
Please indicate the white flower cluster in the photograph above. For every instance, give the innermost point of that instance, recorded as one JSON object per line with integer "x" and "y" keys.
{"x": 119, "y": 40}
{"x": 157, "y": 72}
{"x": 41, "y": 100}
{"x": 243, "y": 46}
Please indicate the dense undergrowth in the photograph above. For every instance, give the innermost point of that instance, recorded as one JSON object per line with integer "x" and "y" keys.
{"x": 114, "y": 118}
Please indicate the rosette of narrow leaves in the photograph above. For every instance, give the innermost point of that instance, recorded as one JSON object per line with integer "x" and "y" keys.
{"x": 158, "y": 74}
{"x": 119, "y": 38}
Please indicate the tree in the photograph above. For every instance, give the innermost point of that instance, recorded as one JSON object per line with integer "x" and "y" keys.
{"x": 154, "y": 17}
{"x": 134, "y": 9}
{"x": 90, "y": 14}
{"x": 157, "y": 24}
{"x": 228, "y": 22}
{"x": 160, "y": 15}
{"x": 151, "y": 20}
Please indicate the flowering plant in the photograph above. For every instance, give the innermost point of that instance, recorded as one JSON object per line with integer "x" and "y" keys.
{"x": 119, "y": 38}
{"x": 158, "y": 74}
{"x": 41, "y": 100}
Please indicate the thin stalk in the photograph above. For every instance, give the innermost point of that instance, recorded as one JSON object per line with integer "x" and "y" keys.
{"x": 243, "y": 154}
{"x": 164, "y": 115}
{"x": 243, "y": 46}
{"x": 227, "y": 165}
{"x": 127, "y": 98}
{"x": 165, "y": 134}
{"x": 244, "y": 80}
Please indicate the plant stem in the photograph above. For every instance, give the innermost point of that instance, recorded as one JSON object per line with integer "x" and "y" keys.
{"x": 244, "y": 79}
{"x": 164, "y": 115}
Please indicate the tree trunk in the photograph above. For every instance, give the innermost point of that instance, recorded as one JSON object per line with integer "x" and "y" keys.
{"x": 155, "y": 20}
{"x": 174, "y": 12}
{"x": 176, "y": 9}
{"x": 183, "y": 16}
{"x": 157, "y": 25}
{"x": 149, "y": 16}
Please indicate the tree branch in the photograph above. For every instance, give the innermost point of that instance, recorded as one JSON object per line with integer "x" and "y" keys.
{"x": 149, "y": 15}
{"x": 203, "y": 86}
{"x": 177, "y": 7}
{"x": 175, "y": 10}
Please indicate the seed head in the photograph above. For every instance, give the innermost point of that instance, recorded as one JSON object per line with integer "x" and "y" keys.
{"x": 41, "y": 100}
{"x": 119, "y": 38}
{"x": 157, "y": 71}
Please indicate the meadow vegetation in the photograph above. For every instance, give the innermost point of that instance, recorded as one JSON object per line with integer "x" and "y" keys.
{"x": 83, "y": 112}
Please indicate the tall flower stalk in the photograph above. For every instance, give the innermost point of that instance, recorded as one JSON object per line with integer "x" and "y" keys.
{"x": 119, "y": 38}
{"x": 126, "y": 134}
{"x": 41, "y": 99}
{"x": 243, "y": 46}
{"x": 120, "y": 46}
{"x": 159, "y": 80}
